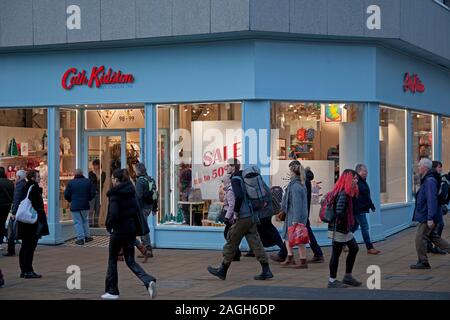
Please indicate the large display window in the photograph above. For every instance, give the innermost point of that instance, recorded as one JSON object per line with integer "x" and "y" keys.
{"x": 194, "y": 143}
{"x": 327, "y": 138}
{"x": 392, "y": 155}
{"x": 422, "y": 143}
{"x": 24, "y": 143}
{"x": 446, "y": 144}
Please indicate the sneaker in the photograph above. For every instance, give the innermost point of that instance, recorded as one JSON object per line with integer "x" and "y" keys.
{"x": 317, "y": 259}
{"x": 437, "y": 250}
{"x": 373, "y": 251}
{"x": 336, "y": 285}
{"x": 110, "y": 296}
{"x": 80, "y": 242}
{"x": 420, "y": 266}
{"x": 88, "y": 239}
{"x": 350, "y": 281}
{"x": 152, "y": 289}
{"x": 32, "y": 275}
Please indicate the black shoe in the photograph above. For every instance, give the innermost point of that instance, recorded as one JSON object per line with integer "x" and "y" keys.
{"x": 336, "y": 285}
{"x": 80, "y": 242}
{"x": 22, "y": 275}
{"x": 237, "y": 258}
{"x": 420, "y": 266}
{"x": 437, "y": 250}
{"x": 9, "y": 254}
{"x": 350, "y": 281}
{"x": 32, "y": 275}
{"x": 220, "y": 272}
{"x": 265, "y": 274}
{"x": 317, "y": 259}
{"x": 88, "y": 239}
{"x": 250, "y": 254}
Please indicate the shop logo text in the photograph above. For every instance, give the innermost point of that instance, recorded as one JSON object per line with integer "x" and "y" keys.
{"x": 98, "y": 77}
{"x": 412, "y": 83}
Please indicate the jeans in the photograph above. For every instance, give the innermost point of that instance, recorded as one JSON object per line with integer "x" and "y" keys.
{"x": 313, "y": 242}
{"x": 336, "y": 253}
{"x": 26, "y": 255}
{"x": 94, "y": 211}
{"x": 12, "y": 238}
{"x": 125, "y": 242}
{"x": 80, "y": 219}
{"x": 361, "y": 220}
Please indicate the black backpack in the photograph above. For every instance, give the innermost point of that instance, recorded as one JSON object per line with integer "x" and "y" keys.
{"x": 277, "y": 196}
{"x": 444, "y": 191}
{"x": 150, "y": 195}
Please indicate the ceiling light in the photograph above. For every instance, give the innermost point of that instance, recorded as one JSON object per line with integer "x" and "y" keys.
{"x": 291, "y": 106}
{"x": 295, "y": 110}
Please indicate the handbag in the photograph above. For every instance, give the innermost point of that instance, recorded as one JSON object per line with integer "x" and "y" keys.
{"x": 26, "y": 213}
{"x": 298, "y": 234}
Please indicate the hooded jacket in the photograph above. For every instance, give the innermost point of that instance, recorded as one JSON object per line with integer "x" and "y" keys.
{"x": 427, "y": 206}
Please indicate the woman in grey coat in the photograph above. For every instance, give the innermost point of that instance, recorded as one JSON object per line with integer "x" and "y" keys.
{"x": 295, "y": 205}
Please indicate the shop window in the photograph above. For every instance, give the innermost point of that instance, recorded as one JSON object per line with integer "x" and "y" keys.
{"x": 422, "y": 143}
{"x": 446, "y": 144}
{"x": 24, "y": 143}
{"x": 327, "y": 138}
{"x": 392, "y": 155}
{"x": 194, "y": 142}
{"x": 115, "y": 118}
{"x": 67, "y": 157}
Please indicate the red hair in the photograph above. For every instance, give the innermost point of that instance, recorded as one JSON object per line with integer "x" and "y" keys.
{"x": 345, "y": 183}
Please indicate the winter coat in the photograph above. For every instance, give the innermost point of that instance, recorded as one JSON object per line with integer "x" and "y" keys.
{"x": 363, "y": 202}
{"x": 79, "y": 192}
{"x": 95, "y": 181}
{"x": 294, "y": 204}
{"x": 40, "y": 228}
{"x": 344, "y": 205}
{"x": 427, "y": 207}
{"x": 123, "y": 211}
{"x": 309, "y": 177}
{"x": 6, "y": 195}
{"x": 19, "y": 194}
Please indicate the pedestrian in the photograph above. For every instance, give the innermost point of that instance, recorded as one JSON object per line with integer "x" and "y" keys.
{"x": 228, "y": 207}
{"x": 339, "y": 230}
{"x": 443, "y": 200}
{"x": 122, "y": 223}
{"x": 245, "y": 226}
{"x": 295, "y": 206}
{"x": 363, "y": 204}
{"x": 147, "y": 199}
{"x": 97, "y": 178}
{"x": 428, "y": 214}
{"x": 79, "y": 192}
{"x": 2, "y": 279}
{"x": 6, "y": 199}
{"x": 19, "y": 194}
{"x": 31, "y": 233}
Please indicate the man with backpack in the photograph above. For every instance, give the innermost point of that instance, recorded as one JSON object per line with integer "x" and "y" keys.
{"x": 443, "y": 200}
{"x": 147, "y": 198}
{"x": 247, "y": 213}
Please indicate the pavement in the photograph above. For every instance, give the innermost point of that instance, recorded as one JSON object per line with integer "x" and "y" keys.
{"x": 182, "y": 275}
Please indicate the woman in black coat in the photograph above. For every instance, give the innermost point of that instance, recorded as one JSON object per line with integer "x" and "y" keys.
{"x": 31, "y": 233}
{"x": 122, "y": 222}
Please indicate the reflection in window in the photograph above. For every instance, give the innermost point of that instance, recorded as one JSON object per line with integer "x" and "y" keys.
{"x": 392, "y": 155}
{"x": 422, "y": 143}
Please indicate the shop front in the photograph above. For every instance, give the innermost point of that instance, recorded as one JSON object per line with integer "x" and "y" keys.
{"x": 185, "y": 109}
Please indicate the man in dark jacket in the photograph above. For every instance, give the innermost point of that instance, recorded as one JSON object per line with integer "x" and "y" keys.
{"x": 6, "y": 198}
{"x": 79, "y": 192}
{"x": 363, "y": 204}
{"x": 245, "y": 226}
{"x": 428, "y": 213}
{"x": 19, "y": 195}
{"x": 97, "y": 178}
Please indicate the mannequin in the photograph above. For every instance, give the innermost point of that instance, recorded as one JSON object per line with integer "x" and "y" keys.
{"x": 43, "y": 171}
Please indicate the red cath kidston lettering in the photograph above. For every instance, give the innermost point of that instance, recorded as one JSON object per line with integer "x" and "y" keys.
{"x": 98, "y": 76}
{"x": 413, "y": 83}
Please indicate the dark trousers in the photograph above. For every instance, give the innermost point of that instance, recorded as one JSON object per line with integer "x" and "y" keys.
{"x": 336, "y": 253}
{"x": 425, "y": 234}
{"x": 438, "y": 230}
{"x": 313, "y": 242}
{"x": 125, "y": 242}
{"x": 12, "y": 237}
{"x": 3, "y": 217}
{"x": 225, "y": 234}
{"x": 26, "y": 255}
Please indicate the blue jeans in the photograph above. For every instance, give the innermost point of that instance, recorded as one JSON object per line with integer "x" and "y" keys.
{"x": 361, "y": 220}
{"x": 80, "y": 219}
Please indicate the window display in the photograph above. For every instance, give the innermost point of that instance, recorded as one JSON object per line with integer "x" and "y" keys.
{"x": 194, "y": 142}
{"x": 24, "y": 144}
{"x": 446, "y": 144}
{"x": 422, "y": 143}
{"x": 392, "y": 155}
{"x": 327, "y": 138}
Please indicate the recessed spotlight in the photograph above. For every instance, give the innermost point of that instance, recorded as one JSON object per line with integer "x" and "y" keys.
{"x": 291, "y": 106}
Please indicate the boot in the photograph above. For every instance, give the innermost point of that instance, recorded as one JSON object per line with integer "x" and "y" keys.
{"x": 303, "y": 264}
{"x": 220, "y": 272}
{"x": 288, "y": 262}
{"x": 265, "y": 274}
{"x": 144, "y": 252}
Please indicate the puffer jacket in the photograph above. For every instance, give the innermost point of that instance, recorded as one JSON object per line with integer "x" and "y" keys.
{"x": 342, "y": 207}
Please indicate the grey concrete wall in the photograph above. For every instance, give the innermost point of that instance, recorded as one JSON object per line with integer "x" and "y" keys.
{"x": 421, "y": 23}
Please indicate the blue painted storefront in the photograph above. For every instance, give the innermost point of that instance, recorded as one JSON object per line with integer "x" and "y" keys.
{"x": 255, "y": 72}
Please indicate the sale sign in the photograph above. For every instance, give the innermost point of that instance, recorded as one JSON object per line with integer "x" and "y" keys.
{"x": 213, "y": 143}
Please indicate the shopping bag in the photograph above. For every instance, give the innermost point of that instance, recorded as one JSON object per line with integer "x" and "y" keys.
{"x": 298, "y": 234}
{"x": 26, "y": 213}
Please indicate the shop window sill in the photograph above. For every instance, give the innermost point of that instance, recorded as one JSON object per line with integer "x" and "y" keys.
{"x": 188, "y": 228}
{"x": 389, "y": 206}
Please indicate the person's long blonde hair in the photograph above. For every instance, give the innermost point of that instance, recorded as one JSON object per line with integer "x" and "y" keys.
{"x": 297, "y": 168}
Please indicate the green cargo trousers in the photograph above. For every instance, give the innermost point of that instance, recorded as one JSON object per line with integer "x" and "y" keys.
{"x": 424, "y": 233}
{"x": 243, "y": 228}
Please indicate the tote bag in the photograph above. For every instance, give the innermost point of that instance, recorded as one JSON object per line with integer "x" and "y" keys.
{"x": 25, "y": 212}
